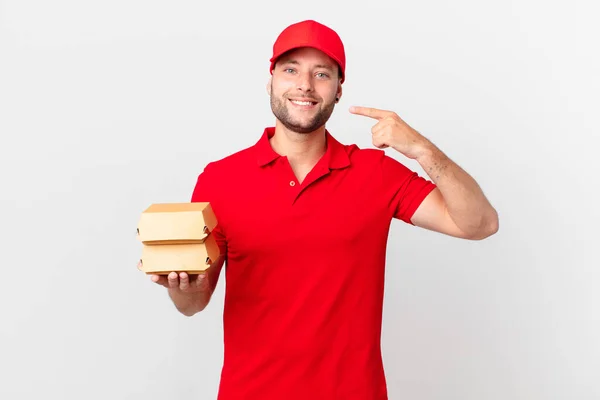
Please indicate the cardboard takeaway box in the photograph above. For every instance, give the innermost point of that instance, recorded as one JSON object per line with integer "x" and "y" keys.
{"x": 177, "y": 237}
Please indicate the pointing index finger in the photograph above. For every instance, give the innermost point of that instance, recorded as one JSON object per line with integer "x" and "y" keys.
{"x": 370, "y": 112}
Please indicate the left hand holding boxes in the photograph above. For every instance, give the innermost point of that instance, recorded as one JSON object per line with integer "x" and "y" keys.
{"x": 176, "y": 237}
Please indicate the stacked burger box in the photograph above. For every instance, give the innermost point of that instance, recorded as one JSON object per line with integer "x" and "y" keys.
{"x": 177, "y": 237}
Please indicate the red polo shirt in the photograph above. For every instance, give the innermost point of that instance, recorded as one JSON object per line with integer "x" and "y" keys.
{"x": 305, "y": 268}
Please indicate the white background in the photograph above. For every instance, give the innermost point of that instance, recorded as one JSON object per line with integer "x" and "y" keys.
{"x": 107, "y": 107}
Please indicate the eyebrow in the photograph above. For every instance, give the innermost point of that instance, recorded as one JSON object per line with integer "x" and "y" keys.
{"x": 291, "y": 61}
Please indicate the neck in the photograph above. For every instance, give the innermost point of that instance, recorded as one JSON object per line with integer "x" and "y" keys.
{"x": 303, "y": 149}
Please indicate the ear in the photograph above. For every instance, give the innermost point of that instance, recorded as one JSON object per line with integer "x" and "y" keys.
{"x": 338, "y": 95}
{"x": 269, "y": 86}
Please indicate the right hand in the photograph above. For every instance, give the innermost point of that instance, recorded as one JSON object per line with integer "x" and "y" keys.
{"x": 182, "y": 282}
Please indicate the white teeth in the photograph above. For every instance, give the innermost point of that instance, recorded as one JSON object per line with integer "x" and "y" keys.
{"x": 302, "y": 103}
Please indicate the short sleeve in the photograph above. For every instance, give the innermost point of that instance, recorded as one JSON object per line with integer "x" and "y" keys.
{"x": 405, "y": 189}
{"x": 206, "y": 190}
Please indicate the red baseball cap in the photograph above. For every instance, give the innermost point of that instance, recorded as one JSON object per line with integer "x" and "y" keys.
{"x": 313, "y": 34}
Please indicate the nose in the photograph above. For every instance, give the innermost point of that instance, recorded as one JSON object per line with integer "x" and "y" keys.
{"x": 305, "y": 82}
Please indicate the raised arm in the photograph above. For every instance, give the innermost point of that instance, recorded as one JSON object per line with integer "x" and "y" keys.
{"x": 457, "y": 206}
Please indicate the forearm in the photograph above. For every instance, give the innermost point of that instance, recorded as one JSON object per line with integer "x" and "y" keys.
{"x": 465, "y": 201}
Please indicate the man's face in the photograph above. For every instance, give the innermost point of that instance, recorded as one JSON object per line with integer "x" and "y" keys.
{"x": 304, "y": 86}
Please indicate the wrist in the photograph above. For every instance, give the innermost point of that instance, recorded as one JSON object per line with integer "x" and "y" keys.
{"x": 425, "y": 153}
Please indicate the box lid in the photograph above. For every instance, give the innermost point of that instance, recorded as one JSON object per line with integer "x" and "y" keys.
{"x": 172, "y": 223}
{"x": 192, "y": 258}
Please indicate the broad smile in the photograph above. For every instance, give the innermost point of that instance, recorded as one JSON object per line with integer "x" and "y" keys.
{"x": 304, "y": 104}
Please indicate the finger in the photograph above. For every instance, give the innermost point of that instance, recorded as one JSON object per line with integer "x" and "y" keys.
{"x": 184, "y": 281}
{"x": 379, "y": 142}
{"x": 370, "y": 112}
{"x": 173, "y": 280}
{"x": 201, "y": 280}
{"x": 160, "y": 280}
{"x": 380, "y": 136}
{"x": 381, "y": 125}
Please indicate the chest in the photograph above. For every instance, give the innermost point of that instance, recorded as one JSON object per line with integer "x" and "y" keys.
{"x": 275, "y": 216}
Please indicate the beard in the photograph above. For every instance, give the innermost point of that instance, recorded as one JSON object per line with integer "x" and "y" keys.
{"x": 280, "y": 109}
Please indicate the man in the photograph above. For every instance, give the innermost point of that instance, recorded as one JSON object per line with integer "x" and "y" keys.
{"x": 303, "y": 229}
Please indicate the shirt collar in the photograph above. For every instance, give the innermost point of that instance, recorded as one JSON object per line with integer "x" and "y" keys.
{"x": 335, "y": 155}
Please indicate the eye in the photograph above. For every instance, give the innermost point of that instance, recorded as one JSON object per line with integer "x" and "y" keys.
{"x": 290, "y": 70}
{"x": 322, "y": 75}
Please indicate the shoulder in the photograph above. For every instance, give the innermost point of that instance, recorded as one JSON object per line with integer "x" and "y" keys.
{"x": 372, "y": 158}
{"x": 363, "y": 154}
{"x": 232, "y": 163}
{"x": 214, "y": 179}
{"x": 381, "y": 169}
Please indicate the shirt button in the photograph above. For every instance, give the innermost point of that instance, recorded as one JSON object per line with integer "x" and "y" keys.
{"x": 292, "y": 183}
